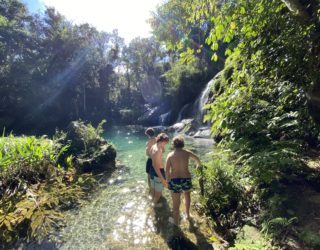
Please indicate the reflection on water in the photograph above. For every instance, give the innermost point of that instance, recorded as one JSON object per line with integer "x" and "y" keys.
{"x": 121, "y": 216}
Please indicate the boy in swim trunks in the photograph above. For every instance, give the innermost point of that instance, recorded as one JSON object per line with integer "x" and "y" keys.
{"x": 157, "y": 173}
{"x": 178, "y": 176}
{"x": 151, "y": 141}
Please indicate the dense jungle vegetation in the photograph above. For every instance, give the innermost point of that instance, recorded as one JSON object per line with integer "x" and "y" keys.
{"x": 54, "y": 72}
{"x": 264, "y": 108}
{"x": 42, "y": 177}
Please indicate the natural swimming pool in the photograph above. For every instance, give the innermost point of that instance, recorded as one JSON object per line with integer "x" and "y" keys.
{"x": 120, "y": 216}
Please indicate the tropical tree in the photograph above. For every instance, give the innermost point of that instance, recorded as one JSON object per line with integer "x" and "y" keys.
{"x": 54, "y": 71}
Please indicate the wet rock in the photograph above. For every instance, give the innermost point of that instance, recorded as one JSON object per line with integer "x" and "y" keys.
{"x": 151, "y": 114}
{"x": 160, "y": 129}
{"x": 203, "y": 133}
{"x": 190, "y": 127}
{"x": 186, "y": 126}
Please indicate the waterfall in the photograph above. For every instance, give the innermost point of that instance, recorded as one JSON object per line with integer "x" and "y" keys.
{"x": 204, "y": 97}
{"x": 182, "y": 112}
{"x": 163, "y": 118}
{"x": 196, "y": 109}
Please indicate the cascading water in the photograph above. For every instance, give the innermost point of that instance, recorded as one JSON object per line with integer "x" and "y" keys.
{"x": 198, "y": 110}
{"x": 204, "y": 97}
{"x": 182, "y": 112}
{"x": 195, "y": 111}
{"x": 164, "y": 118}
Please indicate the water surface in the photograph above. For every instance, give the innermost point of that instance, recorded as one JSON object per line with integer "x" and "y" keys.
{"x": 121, "y": 215}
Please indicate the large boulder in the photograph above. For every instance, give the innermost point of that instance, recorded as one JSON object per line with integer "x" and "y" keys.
{"x": 92, "y": 152}
{"x": 203, "y": 132}
{"x": 186, "y": 126}
{"x": 151, "y": 115}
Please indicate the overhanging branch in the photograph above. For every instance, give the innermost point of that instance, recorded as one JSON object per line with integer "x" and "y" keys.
{"x": 297, "y": 8}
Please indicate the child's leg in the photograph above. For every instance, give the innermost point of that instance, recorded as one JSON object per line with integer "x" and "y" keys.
{"x": 175, "y": 207}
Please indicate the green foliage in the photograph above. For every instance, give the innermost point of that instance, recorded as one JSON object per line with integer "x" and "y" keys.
{"x": 34, "y": 211}
{"x": 277, "y": 226}
{"x": 249, "y": 237}
{"x": 184, "y": 76}
{"x": 261, "y": 109}
{"x": 99, "y": 129}
{"x": 143, "y": 61}
{"x": 224, "y": 192}
{"x": 263, "y": 121}
{"x": 89, "y": 149}
{"x": 310, "y": 238}
{"x": 34, "y": 188}
{"x": 53, "y": 71}
{"x": 184, "y": 82}
{"x": 253, "y": 245}
{"x": 26, "y": 159}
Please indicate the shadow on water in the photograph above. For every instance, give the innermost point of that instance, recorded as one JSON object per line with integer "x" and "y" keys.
{"x": 162, "y": 217}
{"x": 175, "y": 238}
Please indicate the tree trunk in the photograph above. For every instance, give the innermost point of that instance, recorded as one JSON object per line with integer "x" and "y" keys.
{"x": 308, "y": 14}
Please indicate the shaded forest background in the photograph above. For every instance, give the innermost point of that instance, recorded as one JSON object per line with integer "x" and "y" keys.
{"x": 54, "y": 72}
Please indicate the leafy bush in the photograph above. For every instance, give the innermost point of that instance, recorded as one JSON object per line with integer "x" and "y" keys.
{"x": 265, "y": 125}
{"x": 26, "y": 160}
{"x": 35, "y": 188}
{"x": 310, "y": 238}
{"x": 34, "y": 210}
{"x": 224, "y": 191}
{"x": 277, "y": 227}
{"x": 250, "y": 238}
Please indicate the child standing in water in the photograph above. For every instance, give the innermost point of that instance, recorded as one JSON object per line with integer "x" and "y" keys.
{"x": 179, "y": 177}
{"x": 157, "y": 174}
{"x": 151, "y": 141}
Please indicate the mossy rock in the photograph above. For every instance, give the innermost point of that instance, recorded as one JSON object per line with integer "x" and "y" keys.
{"x": 92, "y": 152}
{"x": 102, "y": 159}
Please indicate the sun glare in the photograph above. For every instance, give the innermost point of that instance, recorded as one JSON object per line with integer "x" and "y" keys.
{"x": 128, "y": 16}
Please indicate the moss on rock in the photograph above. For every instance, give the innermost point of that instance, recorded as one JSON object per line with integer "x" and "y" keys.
{"x": 92, "y": 152}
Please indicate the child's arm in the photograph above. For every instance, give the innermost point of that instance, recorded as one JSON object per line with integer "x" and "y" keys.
{"x": 195, "y": 157}
{"x": 168, "y": 169}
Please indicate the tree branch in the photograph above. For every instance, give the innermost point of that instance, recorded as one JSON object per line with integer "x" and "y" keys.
{"x": 297, "y": 8}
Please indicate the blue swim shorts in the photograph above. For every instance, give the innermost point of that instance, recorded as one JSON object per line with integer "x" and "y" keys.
{"x": 179, "y": 185}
